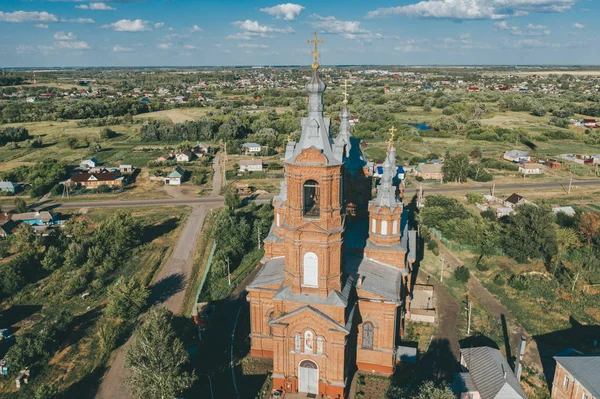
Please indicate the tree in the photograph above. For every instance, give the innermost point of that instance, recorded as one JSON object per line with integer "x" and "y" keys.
{"x": 52, "y": 259}
{"x": 107, "y": 134}
{"x": 529, "y": 233}
{"x": 232, "y": 198}
{"x": 589, "y": 226}
{"x": 582, "y": 262}
{"x": 94, "y": 147}
{"x": 25, "y": 241}
{"x": 566, "y": 239}
{"x": 72, "y": 142}
{"x": 126, "y": 298}
{"x": 157, "y": 359}
{"x": 430, "y": 391}
{"x": 456, "y": 168}
{"x": 21, "y": 205}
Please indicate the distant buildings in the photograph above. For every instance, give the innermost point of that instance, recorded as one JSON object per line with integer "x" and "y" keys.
{"x": 517, "y": 156}
{"x": 251, "y": 165}
{"x": 530, "y": 168}
{"x": 251, "y": 148}
{"x": 429, "y": 171}
{"x": 8, "y": 187}
{"x": 95, "y": 180}
{"x": 175, "y": 178}
{"x": 88, "y": 163}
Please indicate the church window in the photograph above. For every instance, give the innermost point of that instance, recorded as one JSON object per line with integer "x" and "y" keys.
{"x": 384, "y": 227}
{"x": 310, "y": 270}
{"x": 320, "y": 345}
{"x": 278, "y": 221}
{"x": 312, "y": 195}
{"x": 367, "y": 336}
{"x": 297, "y": 343}
{"x": 395, "y": 227}
{"x": 373, "y": 226}
{"x": 308, "y": 342}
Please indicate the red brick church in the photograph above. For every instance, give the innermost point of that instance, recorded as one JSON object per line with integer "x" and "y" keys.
{"x": 331, "y": 294}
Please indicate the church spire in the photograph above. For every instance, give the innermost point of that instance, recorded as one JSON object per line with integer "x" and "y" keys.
{"x": 386, "y": 192}
{"x": 344, "y": 134}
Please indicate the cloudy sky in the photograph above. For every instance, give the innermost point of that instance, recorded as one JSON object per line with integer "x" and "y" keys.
{"x": 251, "y": 32}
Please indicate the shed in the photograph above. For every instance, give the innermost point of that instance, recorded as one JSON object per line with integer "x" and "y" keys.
{"x": 9, "y": 187}
{"x": 406, "y": 354}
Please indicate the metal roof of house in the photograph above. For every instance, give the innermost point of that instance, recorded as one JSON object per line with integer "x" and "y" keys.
{"x": 44, "y": 216}
{"x": 514, "y": 198}
{"x": 7, "y": 185}
{"x": 584, "y": 369}
{"x": 251, "y": 162}
{"x": 429, "y": 167}
{"x": 491, "y": 373}
{"x": 376, "y": 278}
{"x": 102, "y": 176}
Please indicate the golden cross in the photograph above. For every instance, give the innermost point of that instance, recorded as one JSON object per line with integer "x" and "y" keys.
{"x": 346, "y": 91}
{"x": 315, "y": 54}
{"x": 392, "y": 131}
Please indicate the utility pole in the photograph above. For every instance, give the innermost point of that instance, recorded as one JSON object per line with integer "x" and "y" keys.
{"x": 228, "y": 272}
{"x": 468, "y": 309}
{"x": 493, "y": 189}
{"x": 570, "y": 183}
{"x": 442, "y": 273}
{"x": 225, "y": 165}
{"x": 258, "y": 237}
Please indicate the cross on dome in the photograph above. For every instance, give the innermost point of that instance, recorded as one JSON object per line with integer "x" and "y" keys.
{"x": 315, "y": 53}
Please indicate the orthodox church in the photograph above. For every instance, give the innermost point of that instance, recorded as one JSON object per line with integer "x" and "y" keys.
{"x": 332, "y": 292}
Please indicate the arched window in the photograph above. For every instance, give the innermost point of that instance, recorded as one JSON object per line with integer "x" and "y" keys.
{"x": 270, "y": 327}
{"x": 373, "y": 226}
{"x": 297, "y": 343}
{"x": 384, "y": 227}
{"x": 367, "y": 336}
{"x": 309, "y": 343}
{"x": 278, "y": 220}
{"x": 395, "y": 227}
{"x": 310, "y": 270}
{"x": 320, "y": 345}
{"x": 311, "y": 198}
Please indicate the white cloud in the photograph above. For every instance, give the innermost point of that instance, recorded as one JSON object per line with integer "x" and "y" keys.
{"x": 578, "y": 25}
{"x": 241, "y": 36}
{"x": 255, "y": 27}
{"x": 164, "y": 46}
{"x": 252, "y": 45}
{"x": 27, "y": 16}
{"x": 287, "y": 11}
{"x": 95, "y": 7}
{"x": 121, "y": 49}
{"x": 78, "y": 20}
{"x": 41, "y": 26}
{"x": 72, "y": 45}
{"x": 348, "y": 29}
{"x": 159, "y": 25}
{"x": 24, "y": 49}
{"x": 465, "y": 36}
{"x": 473, "y": 9}
{"x": 189, "y": 47}
{"x": 128, "y": 25}
{"x": 195, "y": 28}
{"x": 64, "y": 36}
{"x": 530, "y": 29}
{"x": 533, "y": 43}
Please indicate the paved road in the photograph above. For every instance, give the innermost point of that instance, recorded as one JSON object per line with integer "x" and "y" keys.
{"x": 511, "y": 187}
{"x": 168, "y": 290}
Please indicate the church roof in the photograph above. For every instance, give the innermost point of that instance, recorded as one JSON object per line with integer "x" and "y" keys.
{"x": 376, "y": 278}
{"x": 316, "y": 312}
{"x": 386, "y": 191}
{"x": 335, "y": 298}
{"x": 271, "y": 273}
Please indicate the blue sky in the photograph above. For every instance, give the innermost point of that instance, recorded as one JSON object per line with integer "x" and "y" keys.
{"x": 251, "y": 32}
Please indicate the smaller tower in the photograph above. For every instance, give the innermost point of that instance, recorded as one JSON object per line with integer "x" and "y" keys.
{"x": 385, "y": 215}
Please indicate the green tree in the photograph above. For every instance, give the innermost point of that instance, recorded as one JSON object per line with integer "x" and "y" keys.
{"x": 94, "y": 147}
{"x": 529, "y": 233}
{"x": 456, "y": 168}
{"x": 25, "y": 241}
{"x": 157, "y": 359}
{"x": 566, "y": 239}
{"x": 126, "y": 298}
{"x": 431, "y": 391}
{"x": 52, "y": 259}
{"x": 21, "y": 206}
{"x": 72, "y": 142}
{"x": 232, "y": 198}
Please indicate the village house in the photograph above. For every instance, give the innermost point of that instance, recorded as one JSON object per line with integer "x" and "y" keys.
{"x": 514, "y": 200}
{"x": 175, "y": 178}
{"x": 530, "y": 168}
{"x": 591, "y": 123}
{"x": 429, "y": 171}
{"x": 251, "y": 165}
{"x": 184, "y": 156}
{"x": 576, "y": 377}
{"x": 331, "y": 292}
{"x": 88, "y": 163}
{"x": 517, "y": 156}
{"x": 8, "y": 187}
{"x": 126, "y": 168}
{"x": 251, "y": 148}
{"x": 95, "y": 180}
{"x": 485, "y": 375}
{"x": 201, "y": 149}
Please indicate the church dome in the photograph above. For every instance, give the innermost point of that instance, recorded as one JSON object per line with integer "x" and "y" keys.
{"x": 315, "y": 84}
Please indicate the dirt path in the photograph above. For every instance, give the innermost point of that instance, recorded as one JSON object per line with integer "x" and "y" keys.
{"x": 217, "y": 176}
{"x": 168, "y": 290}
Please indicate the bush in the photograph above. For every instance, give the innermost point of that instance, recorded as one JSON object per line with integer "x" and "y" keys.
{"x": 518, "y": 282}
{"x": 482, "y": 266}
{"x": 499, "y": 280}
{"x": 462, "y": 274}
{"x": 474, "y": 198}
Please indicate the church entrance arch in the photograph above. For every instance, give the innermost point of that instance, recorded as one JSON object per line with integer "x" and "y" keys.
{"x": 308, "y": 377}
